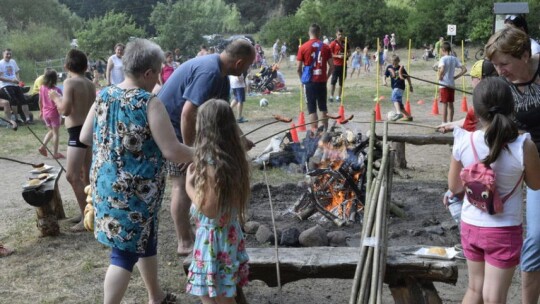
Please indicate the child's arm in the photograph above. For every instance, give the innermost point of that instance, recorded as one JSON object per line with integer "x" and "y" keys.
{"x": 40, "y": 104}
{"x": 63, "y": 104}
{"x": 531, "y": 161}
{"x": 108, "y": 70}
{"x": 405, "y": 76}
{"x": 463, "y": 71}
{"x": 441, "y": 71}
{"x": 454, "y": 181}
{"x": 88, "y": 127}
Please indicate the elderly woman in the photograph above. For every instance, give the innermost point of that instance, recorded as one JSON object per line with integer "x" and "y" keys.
{"x": 132, "y": 136}
{"x": 510, "y": 52}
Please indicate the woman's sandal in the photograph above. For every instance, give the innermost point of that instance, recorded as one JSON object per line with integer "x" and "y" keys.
{"x": 169, "y": 299}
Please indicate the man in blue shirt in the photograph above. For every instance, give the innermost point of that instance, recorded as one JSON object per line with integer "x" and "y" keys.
{"x": 191, "y": 85}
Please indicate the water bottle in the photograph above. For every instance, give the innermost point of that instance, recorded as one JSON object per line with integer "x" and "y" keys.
{"x": 454, "y": 205}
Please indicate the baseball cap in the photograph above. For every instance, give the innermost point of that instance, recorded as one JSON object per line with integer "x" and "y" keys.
{"x": 483, "y": 68}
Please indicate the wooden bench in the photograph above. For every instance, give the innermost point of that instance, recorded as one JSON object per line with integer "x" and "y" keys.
{"x": 48, "y": 203}
{"x": 409, "y": 277}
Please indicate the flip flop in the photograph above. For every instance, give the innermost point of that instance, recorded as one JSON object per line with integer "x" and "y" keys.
{"x": 42, "y": 151}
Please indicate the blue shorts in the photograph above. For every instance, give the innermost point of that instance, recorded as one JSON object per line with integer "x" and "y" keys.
{"x": 530, "y": 253}
{"x": 239, "y": 94}
{"x": 127, "y": 259}
{"x": 397, "y": 96}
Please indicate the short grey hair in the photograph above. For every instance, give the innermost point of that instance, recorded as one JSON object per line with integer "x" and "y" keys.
{"x": 240, "y": 49}
{"x": 141, "y": 55}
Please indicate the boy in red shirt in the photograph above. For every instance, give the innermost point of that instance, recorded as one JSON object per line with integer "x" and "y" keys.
{"x": 337, "y": 47}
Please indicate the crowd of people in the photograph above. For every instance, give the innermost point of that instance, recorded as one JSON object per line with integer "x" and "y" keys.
{"x": 158, "y": 118}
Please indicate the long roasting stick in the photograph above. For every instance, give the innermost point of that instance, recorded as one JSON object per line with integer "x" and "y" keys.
{"x": 284, "y": 130}
{"x": 278, "y": 118}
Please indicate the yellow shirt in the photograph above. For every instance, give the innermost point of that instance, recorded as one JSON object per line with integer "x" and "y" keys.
{"x": 37, "y": 84}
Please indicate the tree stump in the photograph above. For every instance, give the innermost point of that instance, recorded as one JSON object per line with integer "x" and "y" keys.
{"x": 48, "y": 203}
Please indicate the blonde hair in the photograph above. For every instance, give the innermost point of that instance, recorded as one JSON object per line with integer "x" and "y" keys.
{"x": 218, "y": 144}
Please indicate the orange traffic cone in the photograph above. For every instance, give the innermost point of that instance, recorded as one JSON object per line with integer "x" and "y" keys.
{"x": 435, "y": 107}
{"x": 378, "y": 116}
{"x": 301, "y": 122}
{"x": 341, "y": 113}
{"x": 408, "y": 107}
{"x": 294, "y": 134}
{"x": 464, "y": 108}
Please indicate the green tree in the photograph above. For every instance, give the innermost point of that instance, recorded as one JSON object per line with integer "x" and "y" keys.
{"x": 99, "y": 35}
{"x": 182, "y": 24}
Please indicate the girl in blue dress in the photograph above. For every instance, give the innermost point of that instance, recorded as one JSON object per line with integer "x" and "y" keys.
{"x": 218, "y": 185}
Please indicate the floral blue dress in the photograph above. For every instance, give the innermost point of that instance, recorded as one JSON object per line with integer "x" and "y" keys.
{"x": 127, "y": 173}
{"x": 220, "y": 260}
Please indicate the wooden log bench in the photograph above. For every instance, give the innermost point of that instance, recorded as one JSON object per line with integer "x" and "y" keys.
{"x": 48, "y": 203}
{"x": 398, "y": 144}
{"x": 409, "y": 277}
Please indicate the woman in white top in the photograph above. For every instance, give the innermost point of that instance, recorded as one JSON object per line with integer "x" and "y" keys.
{"x": 115, "y": 69}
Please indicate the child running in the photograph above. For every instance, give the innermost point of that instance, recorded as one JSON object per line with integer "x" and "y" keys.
{"x": 492, "y": 243}
{"x": 49, "y": 113}
{"x": 218, "y": 185}
{"x": 398, "y": 74}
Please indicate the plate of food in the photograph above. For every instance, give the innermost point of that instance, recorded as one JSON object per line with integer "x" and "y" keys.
{"x": 435, "y": 252}
{"x": 43, "y": 176}
{"x": 33, "y": 184}
{"x": 42, "y": 169}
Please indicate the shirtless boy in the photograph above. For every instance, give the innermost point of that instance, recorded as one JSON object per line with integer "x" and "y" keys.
{"x": 79, "y": 94}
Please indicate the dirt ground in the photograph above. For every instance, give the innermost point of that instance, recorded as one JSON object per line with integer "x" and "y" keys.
{"x": 70, "y": 268}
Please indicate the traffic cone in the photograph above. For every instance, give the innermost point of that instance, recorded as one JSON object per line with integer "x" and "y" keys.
{"x": 435, "y": 107}
{"x": 378, "y": 116}
{"x": 301, "y": 122}
{"x": 408, "y": 107}
{"x": 464, "y": 108}
{"x": 341, "y": 113}
{"x": 294, "y": 134}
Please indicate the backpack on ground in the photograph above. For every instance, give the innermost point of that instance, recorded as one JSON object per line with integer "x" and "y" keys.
{"x": 480, "y": 187}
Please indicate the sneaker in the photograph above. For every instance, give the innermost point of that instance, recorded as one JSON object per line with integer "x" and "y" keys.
{"x": 337, "y": 99}
{"x": 331, "y": 99}
{"x": 460, "y": 256}
{"x": 241, "y": 120}
{"x": 397, "y": 116}
{"x": 29, "y": 122}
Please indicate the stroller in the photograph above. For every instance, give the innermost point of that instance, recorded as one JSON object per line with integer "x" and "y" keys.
{"x": 263, "y": 80}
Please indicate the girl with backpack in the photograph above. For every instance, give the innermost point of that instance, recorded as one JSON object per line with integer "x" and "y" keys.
{"x": 492, "y": 236}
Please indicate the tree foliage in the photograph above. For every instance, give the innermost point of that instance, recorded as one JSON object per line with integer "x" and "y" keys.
{"x": 99, "y": 35}
{"x": 183, "y": 23}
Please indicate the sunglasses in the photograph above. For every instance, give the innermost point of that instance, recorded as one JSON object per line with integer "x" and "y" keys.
{"x": 510, "y": 17}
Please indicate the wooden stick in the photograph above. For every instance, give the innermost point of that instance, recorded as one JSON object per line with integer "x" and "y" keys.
{"x": 443, "y": 85}
{"x": 276, "y": 241}
{"x": 371, "y": 147}
{"x": 24, "y": 163}
{"x": 278, "y": 118}
{"x": 400, "y": 123}
{"x": 284, "y": 130}
{"x": 58, "y": 162}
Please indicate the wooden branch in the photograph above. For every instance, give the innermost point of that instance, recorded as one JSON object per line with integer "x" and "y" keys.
{"x": 431, "y": 139}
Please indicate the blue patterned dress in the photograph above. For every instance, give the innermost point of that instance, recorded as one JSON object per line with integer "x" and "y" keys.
{"x": 127, "y": 170}
{"x": 220, "y": 260}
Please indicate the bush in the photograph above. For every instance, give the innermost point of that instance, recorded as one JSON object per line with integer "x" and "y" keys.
{"x": 37, "y": 42}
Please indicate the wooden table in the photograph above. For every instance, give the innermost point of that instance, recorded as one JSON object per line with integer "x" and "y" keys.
{"x": 48, "y": 203}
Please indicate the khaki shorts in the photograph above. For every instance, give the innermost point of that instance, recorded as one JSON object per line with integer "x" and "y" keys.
{"x": 175, "y": 169}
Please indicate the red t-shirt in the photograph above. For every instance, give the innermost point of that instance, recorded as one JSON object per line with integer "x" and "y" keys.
{"x": 470, "y": 121}
{"x": 337, "y": 48}
{"x": 307, "y": 52}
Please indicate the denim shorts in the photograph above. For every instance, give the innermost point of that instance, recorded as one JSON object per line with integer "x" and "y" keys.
{"x": 397, "y": 95}
{"x": 530, "y": 253}
{"x": 498, "y": 246}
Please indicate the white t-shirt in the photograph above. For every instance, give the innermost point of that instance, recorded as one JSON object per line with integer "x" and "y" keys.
{"x": 535, "y": 47}
{"x": 8, "y": 69}
{"x": 450, "y": 64}
{"x": 508, "y": 170}
{"x": 237, "y": 82}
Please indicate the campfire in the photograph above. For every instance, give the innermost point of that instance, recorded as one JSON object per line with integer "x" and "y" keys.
{"x": 335, "y": 178}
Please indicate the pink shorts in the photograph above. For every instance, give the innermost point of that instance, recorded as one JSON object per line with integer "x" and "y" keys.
{"x": 52, "y": 121}
{"x": 447, "y": 94}
{"x": 498, "y": 246}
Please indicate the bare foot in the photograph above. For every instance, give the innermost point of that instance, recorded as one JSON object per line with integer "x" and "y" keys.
{"x": 58, "y": 156}
{"x": 4, "y": 251}
{"x": 76, "y": 219}
{"x": 184, "y": 250}
{"x": 42, "y": 151}
{"x": 78, "y": 227}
